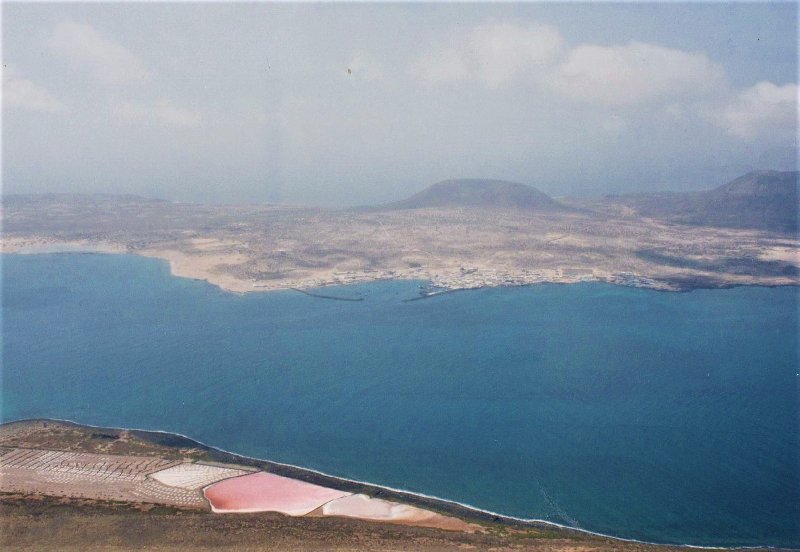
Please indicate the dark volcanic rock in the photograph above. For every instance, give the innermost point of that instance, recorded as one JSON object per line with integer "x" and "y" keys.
{"x": 480, "y": 193}
{"x": 763, "y": 200}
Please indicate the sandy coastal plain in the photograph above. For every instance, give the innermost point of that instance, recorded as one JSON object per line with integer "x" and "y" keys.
{"x": 260, "y": 248}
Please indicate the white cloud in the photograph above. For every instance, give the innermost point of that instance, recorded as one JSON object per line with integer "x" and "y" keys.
{"x": 21, "y": 93}
{"x": 503, "y": 51}
{"x": 615, "y": 81}
{"x": 759, "y": 110}
{"x": 160, "y": 113}
{"x": 636, "y": 73}
{"x": 494, "y": 53}
{"x": 499, "y": 53}
{"x": 109, "y": 62}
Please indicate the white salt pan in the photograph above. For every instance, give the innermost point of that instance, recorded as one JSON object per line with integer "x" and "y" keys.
{"x": 364, "y": 507}
{"x": 194, "y": 476}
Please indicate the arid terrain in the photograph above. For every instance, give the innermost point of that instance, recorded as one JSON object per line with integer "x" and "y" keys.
{"x": 456, "y": 235}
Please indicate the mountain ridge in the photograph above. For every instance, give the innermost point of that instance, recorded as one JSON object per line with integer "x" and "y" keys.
{"x": 479, "y": 192}
{"x": 761, "y": 200}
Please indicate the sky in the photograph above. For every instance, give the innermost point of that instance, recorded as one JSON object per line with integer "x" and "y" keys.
{"x": 340, "y": 104}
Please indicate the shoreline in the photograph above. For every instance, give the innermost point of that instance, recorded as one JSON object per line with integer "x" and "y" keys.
{"x": 181, "y": 268}
{"x": 445, "y": 506}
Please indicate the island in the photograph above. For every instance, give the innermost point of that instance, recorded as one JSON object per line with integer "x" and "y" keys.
{"x": 458, "y": 234}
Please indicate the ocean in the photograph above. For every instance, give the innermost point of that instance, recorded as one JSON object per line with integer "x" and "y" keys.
{"x": 663, "y": 417}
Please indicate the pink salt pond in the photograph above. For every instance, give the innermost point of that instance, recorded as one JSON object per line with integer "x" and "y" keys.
{"x": 267, "y": 492}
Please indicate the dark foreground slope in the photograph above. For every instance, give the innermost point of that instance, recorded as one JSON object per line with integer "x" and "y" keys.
{"x": 61, "y": 525}
{"x": 762, "y": 200}
{"x": 479, "y": 193}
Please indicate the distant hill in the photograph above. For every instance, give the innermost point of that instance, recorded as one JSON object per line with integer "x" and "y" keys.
{"x": 480, "y": 193}
{"x": 764, "y": 200}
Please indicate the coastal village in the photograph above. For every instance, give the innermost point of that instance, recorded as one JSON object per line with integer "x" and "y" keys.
{"x": 474, "y": 278}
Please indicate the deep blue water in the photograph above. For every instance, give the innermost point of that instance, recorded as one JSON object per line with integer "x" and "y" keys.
{"x": 668, "y": 417}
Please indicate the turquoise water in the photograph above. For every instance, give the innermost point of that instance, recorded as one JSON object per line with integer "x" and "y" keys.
{"x": 667, "y": 417}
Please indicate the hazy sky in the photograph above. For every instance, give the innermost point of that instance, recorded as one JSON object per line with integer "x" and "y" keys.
{"x": 336, "y": 104}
